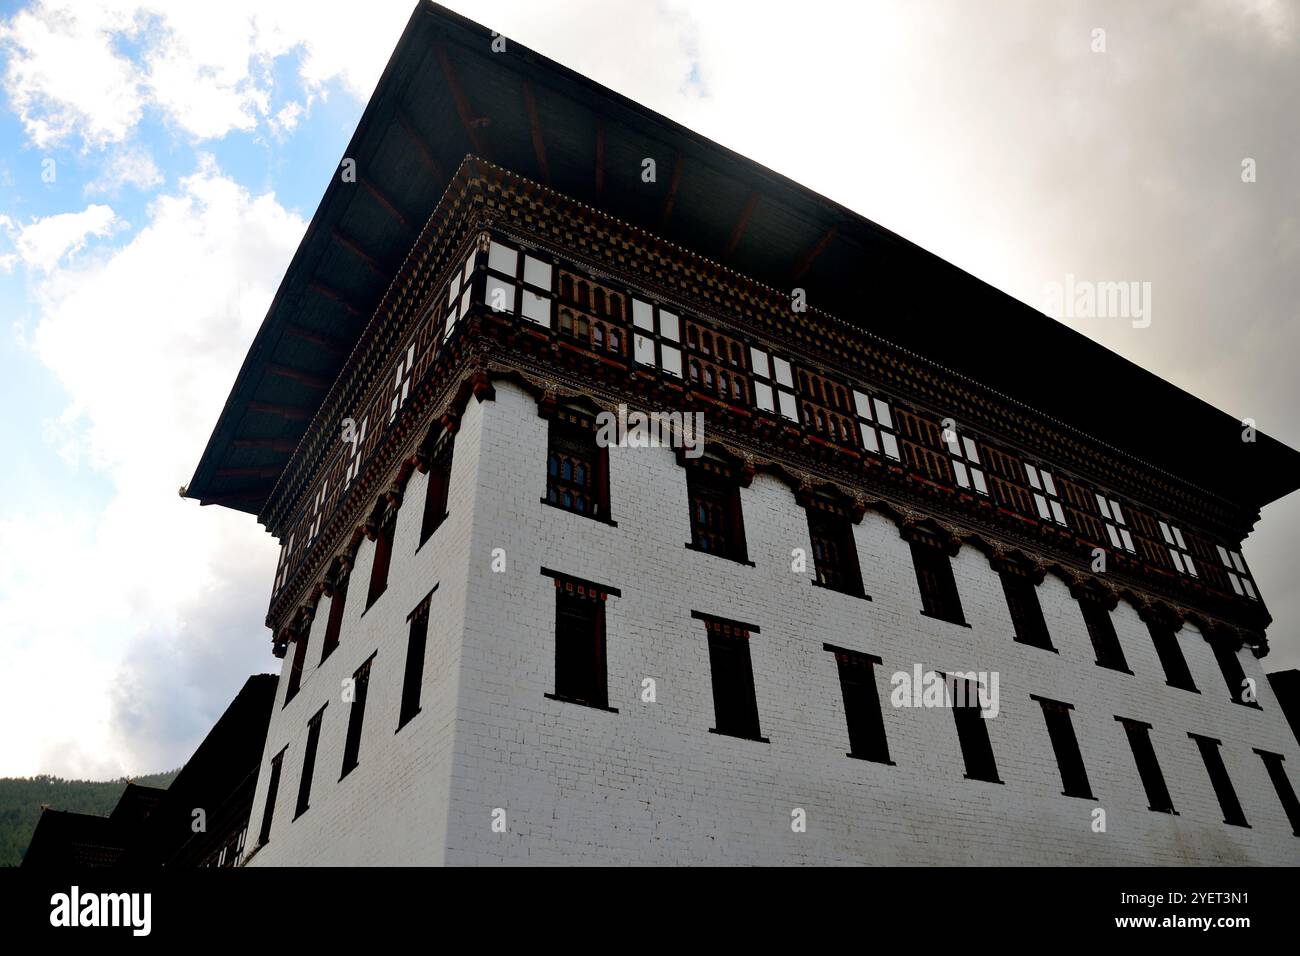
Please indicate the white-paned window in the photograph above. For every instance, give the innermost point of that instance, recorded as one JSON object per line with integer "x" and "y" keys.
{"x": 518, "y": 283}
{"x": 1237, "y": 573}
{"x": 318, "y": 510}
{"x": 875, "y": 424}
{"x": 966, "y": 464}
{"x": 1113, "y": 517}
{"x": 354, "y": 443}
{"x": 458, "y": 296}
{"x": 773, "y": 384}
{"x": 282, "y": 572}
{"x": 1046, "y": 500}
{"x": 402, "y": 381}
{"x": 1178, "y": 552}
{"x": 657, "y": 337}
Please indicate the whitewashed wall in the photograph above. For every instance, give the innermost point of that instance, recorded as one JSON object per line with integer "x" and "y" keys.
{"x": 649, "y": 783}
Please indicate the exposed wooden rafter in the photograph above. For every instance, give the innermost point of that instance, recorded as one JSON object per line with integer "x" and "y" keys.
{"x": 535, "y": 125}
{"x": 277, "y": 445}
{"x": 315, "y": 338}
{"x": 421, "y": 147}
{"x": 351, "y": 246}
{"x": 468, "y": 120}
{"x": 297, "y": 375}
{"x": 248, "y": 472}
{"x": 679, "y": 164}
{"x": 811, "y": 255}
{"x": 293, "y": 412}
{"x": 738, "y": 230}
{"x": 383, "y": 199}
{"x": 331, "y": 293}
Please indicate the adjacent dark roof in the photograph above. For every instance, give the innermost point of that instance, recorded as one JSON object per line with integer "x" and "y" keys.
{"x": 219, "y": 777}
{"x": 153, "y": 827}
{"x": 446, "y": 94}
{"x": 136, "y": 805}
{"x": 65, "y": 839}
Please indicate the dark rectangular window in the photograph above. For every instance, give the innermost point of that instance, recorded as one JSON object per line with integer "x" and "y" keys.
{"x": 577, "y": 469}
{"x": 861, "y": 705}
{"x": 735, "y": 706}
{"x": 835, "y": 553}
{"x": 580, "y": 672}
{"x": 356, "y": 717}
{"x": 1233, "y": 674}
{"x": 1101, "y": 629}
{"x": 1223, "y": 789}
{"x": 1074, "y": 776}
{"x": 1139, "y": 739}
{"x": 333, "y": 626}
{"x": 308, "y": 763}
{"x": 972, "y": 730}
{"x": 1026, "y": 611}
{"x": 435, "y": 495}
{"x": 413, "y": 677}
{"x": 383, "y": 556}
{"x": 296, "y": 667}
{"x": 939, "y": 596}
{"x": 717, "y": 526}
{"x": 1285, "y": 792}
{"x": 1165, "y": 638}
{"x": 272, "y": 792}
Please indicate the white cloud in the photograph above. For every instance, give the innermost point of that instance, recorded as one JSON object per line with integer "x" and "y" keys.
{"x": 45, "y": 242}
{"x": 286, "y": 120}
{"x": 1251, "y": 20}
{"x": 126, "y": 166}
{"x": 64, "y": 76}
{"x": 207, "y": 69}
{"x": 338, "y": 40}
{"x": 133, "y": 623}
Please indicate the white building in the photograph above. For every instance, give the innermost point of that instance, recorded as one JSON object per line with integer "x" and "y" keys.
{"x": 504, "y": 643}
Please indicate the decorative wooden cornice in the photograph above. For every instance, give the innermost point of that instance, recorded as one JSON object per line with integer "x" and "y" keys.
{"x": 453, "y": 225}
{"x": 503, "y": 201}
{"x": 913, "y": 523}
{"x": 1158, "y": 614}
{"x": 1084, "y": 588}
{"x": 489, "y": 347}
{"x": 1013, "y": 561}
{"x": 680, "y": 277}
{"x": 927, "y": 531}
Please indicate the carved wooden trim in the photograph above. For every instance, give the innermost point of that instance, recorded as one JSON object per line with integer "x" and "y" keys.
{"x": 1013, "y": 561}
{"x": 927, "y": 531}
{"x": 1085, "y": 588}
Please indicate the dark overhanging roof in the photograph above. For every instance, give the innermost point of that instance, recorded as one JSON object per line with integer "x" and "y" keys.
{"x": 445, "y": 93}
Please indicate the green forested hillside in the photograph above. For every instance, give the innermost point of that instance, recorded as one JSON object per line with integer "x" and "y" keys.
{"x": 21, "y": 799}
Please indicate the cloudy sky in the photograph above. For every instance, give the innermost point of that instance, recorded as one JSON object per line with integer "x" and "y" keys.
{"x": 159, "y": 162}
